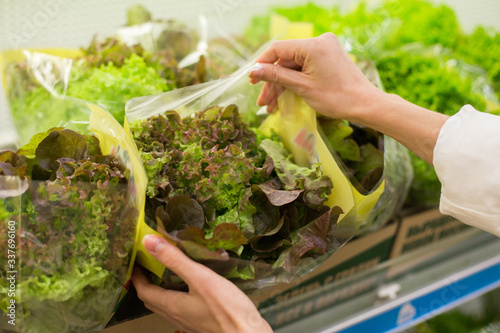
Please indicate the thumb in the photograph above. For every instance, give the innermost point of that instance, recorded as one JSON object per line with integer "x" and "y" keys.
{"x": 289, "y": 78}
{"x": 173, "y": 258}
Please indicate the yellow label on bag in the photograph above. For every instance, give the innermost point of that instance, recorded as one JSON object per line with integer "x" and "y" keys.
{"x": 115, "y": 140}
{"x": 281, "y": 28}
{"x": 143, "y": 258}
{"x": 296, "y": 123}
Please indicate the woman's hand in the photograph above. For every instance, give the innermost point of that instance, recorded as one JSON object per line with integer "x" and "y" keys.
{"x": 322, "y": 73}
{"x": 213, "y": 304}
{"x": 318, "y": 70}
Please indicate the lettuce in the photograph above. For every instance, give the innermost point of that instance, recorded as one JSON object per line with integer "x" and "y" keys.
{"x": 76, "y": 230}
{"x": 113, "y": 86}
{"x": 223, "y": 192}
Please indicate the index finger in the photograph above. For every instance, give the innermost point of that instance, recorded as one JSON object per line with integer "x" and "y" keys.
{"x": 286, "y": 51}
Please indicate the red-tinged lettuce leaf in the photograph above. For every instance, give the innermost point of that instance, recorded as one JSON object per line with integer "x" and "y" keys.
{"x": 61, "y": 144}
{"x": 316, "y": 186}
{"x": 269, "y": 241}
{"x": 205, "y": 189}
{"x": 29, "y": 149}
{"x": 263, "y": 173}
{"x": 245, "y": 214}
{"x": 109, "y": 50}
{"x": 217, "y": 126}
{"x": 218, "y": 260}
{"x": 12, "y": 164}
{"x": 221, "y": 175}
{"x": 292, "y": 218}
{"x": 156, "y": 133}
{"x": 211, "y": 156}
{"x": 267, "y": 216}
{"x": 181, "y": 211}
{"x": 314, "y": 239}
{"x": 272, "y": 226}
{"x": 277, "y": 197}
{"x": 214, "y": 252}
{"x": 200, "y": 252}
{"x": 13, "y": 174}
{"x": 195, "y": 246}
{"x": 229, "y": 165}
{"x": 93, "y": 145}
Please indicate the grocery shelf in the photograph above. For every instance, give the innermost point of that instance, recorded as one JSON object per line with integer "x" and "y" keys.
{"x": 411, "y": 289}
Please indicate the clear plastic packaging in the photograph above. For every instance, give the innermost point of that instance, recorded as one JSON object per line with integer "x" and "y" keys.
{"x": 375, "y": 207}
{"x": 70, "y": 201}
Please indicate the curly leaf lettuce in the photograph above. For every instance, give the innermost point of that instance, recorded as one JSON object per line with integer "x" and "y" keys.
{"x": 237, "y": 195}
{"x": 76, "y": 230}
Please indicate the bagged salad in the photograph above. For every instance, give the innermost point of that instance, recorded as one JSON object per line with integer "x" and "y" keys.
{"x": 70, "y": 200}
{"x": 238, "y": 190}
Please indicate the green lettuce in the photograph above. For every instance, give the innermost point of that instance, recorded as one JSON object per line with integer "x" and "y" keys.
{"x": 75, "y": 232}
{"x": 223, "y": 192}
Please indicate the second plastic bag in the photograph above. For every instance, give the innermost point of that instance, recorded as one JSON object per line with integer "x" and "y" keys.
{"x": 70, "y": 199}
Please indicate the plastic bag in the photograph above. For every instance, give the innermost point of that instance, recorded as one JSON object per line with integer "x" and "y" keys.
{"x": 378, "y": 167}
{"x": 149, "y": 114}
{"x": 33, "y": 77}
{"x": 32, "y": 80}
{"x": 292, "y": 229}
{"x": 143, "y": 59}
{"x": 70, "y": 199}
{"x": 206, "y": 51}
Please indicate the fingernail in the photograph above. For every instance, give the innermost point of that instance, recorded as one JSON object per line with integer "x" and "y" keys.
{"x": 153, "y": 243}
{"x": 256, "y": 71}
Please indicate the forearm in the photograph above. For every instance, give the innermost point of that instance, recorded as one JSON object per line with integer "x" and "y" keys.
{"x": 413, "y": 126}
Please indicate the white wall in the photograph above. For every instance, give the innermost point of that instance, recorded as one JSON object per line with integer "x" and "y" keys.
{"x": 67, "y": 23}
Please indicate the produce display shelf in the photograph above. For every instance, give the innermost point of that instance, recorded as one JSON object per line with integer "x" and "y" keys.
{"x": 411, "y": 289}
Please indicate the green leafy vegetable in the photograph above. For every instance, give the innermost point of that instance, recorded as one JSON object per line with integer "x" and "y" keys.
{"x": 236, "y": 194}
{"x": 75, "y": 232}
{"x": 113, "y": 86}
{"x": 431, "y": 83}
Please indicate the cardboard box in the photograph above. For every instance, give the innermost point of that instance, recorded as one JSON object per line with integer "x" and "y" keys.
{"x": 413, "y": 232}
{"x": 151, "y": 323}
{"x": 430, "y": 232}
{"x": 423, "y": 229}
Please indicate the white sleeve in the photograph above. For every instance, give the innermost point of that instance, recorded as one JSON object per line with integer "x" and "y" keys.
{"x": 467, "y": 162}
